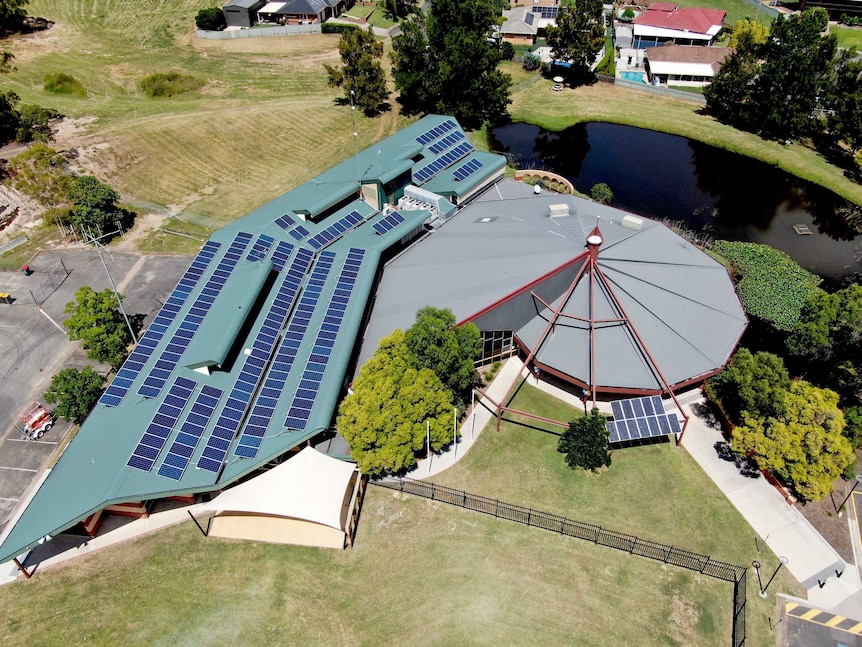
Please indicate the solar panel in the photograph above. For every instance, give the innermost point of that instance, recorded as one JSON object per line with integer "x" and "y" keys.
{"x": 263, "y": 409}
{"x": 260, "y": 248}
{"x": 387, "y": 223}
{"x": 466, "y": 170}
{"x": 285, "y": 221}
{"x": 447, "y": 159}
{"x": 446, "y": 142}
{"x": 170, "y": 356}
{"x": 281, "y": 255}
{"x": 437, "y": 131}
{"x": 548, "y": 13}
{"x": 252, "y": 369}
{"x": 335, "y": 230}
{"x": 162, "y": 424}
{"x": 640, "y": 418}
{"x": 117, "y": 390}
{"x": 299, "y": 233}
{"x": 299, "y": 410}
{"x": 178, "y": 456}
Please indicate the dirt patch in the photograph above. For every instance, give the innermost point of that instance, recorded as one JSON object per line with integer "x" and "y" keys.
{"x": 823, "y": 515}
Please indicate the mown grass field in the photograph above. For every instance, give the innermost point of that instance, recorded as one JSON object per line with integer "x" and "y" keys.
{"x": 848, "y": 37}
{"x": 424, "y": 573}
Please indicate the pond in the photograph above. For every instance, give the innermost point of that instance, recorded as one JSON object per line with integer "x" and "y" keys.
{"x": 710, "y": 190}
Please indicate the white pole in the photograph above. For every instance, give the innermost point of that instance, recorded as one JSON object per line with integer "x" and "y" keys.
{"x": 473, "y": 417}
{"x": 428, "y": 431}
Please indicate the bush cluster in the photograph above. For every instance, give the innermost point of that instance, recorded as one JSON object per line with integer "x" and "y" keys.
{"x": 336, "y": 28}
{"x": 170, "y": 84}
{"x": 62, "y": 83}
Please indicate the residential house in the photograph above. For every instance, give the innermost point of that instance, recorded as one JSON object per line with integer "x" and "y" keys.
{"x": 684, "y": 65}
{"x": 242, "y": 13}
{"x": 521, "y": 26}
{"x": 664, "y": 22}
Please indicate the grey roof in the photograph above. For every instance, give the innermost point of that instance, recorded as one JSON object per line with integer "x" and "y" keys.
{"x": 519, "y": 20}
{"x": 676, "y": 309}
{"x": 245, "y": 4}
{"x": 303, "y": 7}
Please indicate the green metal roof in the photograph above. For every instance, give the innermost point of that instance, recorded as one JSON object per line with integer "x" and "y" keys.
{"x": 274, "y": 306}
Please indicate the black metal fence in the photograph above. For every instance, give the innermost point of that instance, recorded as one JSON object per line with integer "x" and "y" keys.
{"x": 612, "y": 539}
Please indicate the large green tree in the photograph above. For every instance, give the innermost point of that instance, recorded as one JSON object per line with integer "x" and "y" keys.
{"x": 577, "y": 37}
{"x": 435, "y": 342}
{"x": 210, "y": 19}
{"x": 40, "y": 172}
{"x": 97, "y": 321}
{"x": 385, "y": 419}
{"x": 445, "y": 63}
{"x": 826, "y": 345}
{"x": 360, "y": 74}
{"x": 804, "y": 446}
{"x": 585, "y": 442}
{"x": 95, "y": 206}
{"x": 845, "y": 117}
{"x": 776, "y": 87}
{"x": 750, "y": 384}
{"x": 75, "y": 392}
{"x": 13, "y": 13}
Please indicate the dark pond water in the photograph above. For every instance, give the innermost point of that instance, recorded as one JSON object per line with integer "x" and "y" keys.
{"x": 730, "y": 196}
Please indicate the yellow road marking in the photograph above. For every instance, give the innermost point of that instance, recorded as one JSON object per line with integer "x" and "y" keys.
{"x": 836, "y": 620}
{"x": 811, "y": 613}
{"x": 790, "y": 606}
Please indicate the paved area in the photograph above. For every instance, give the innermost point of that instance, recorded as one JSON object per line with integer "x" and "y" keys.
{"x": 801, "y": 624}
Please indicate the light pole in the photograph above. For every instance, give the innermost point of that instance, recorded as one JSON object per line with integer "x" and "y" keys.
{"x": 846, "y": 498}
{"x": 782, "y": 561}
{"x": 98, "y": 247}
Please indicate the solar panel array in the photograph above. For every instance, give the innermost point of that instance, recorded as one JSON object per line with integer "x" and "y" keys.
{"x": 303, "y": 401}
{"x": 281, "y": 255}
{"x": 264, "y": 408}
{"x": 437, "y": 131}
{"x": 641, "y": 418}
{"x": 446, "y": 142}
{"x": 260, "y": 248}
{"x": 388, "y": 222}
{"x": 335, "y": 230}
{"x": 170, "y": 357}
{"x": 180, "y": 453}
{"x": 255, "y": 362}
{"x": 427, "y": 172}
{"x": 145, "y": 347}
{"x": 285, "y": 221}
{"x": 547, "y": 13}
{"x": 299, "y": 233}
{"x": 466, "y": 170}
{"x": 162, "y": 424}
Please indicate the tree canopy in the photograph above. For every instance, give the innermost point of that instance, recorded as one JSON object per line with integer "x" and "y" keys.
{"x": 750, "y": 384}
{"x": 75, "y": 392}
{"x": 803, "y": 446}
{"x": 94, "y": 206}
{"x": 361, "y": 74}
{"x": 97, "y": 321}
{"x": 40, "y": 172}
{"x": 444, "y": 63}
{"x": 585, "y": 442}
{"x": 436, "y": 343}
{"x": 748, "y": 35}
{"x": 13, "y": 13}
{"x": 384, "y": 419}
{"x": 775, "y": 88}
{"x": 825, "y": 346}
{"x": 210, "y": 19}
{"x": 577, "y": 36}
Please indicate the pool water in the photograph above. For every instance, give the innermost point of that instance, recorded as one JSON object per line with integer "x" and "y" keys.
{"x": 637, "y": 77}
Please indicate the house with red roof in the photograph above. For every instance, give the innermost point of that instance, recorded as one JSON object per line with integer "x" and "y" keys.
{"x": 664, "y": 22}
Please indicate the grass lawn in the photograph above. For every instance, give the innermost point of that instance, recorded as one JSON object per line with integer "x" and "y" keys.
{"x": 848, "y": 37}
{"x": 736, "y": 9}
{"x": 426, "y": 573}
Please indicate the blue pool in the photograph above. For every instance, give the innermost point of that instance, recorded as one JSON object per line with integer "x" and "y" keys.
{"x": 636, "y": 77}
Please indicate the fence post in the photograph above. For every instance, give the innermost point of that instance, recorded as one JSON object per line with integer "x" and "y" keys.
{"x": 530, "y": 517}
{"x": 496, "y": 507}
{"x": 635, "y": 543}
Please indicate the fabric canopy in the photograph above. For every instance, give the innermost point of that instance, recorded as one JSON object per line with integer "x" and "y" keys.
{"x": 310, "y": 486}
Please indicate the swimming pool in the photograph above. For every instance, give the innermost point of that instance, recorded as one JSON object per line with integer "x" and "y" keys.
{"x": 636, "y": 77}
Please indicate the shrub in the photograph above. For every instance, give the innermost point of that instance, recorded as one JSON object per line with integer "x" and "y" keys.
{"x": 532, "y": 61}
{"x": 507, "y": 51}
{"x": 336, "y": 28}
{"x": 628, "y": 15}
{"x": 167, "y": 85}
{"x": 211, "y": 19}
{"x": 602, "y": 193}
{"x": 62, "y": 83}
{"x": 33, "y": 123}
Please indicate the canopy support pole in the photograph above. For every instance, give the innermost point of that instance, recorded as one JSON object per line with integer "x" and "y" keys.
{"x": 22, "y": 568}
{"x": 203, "y": 532}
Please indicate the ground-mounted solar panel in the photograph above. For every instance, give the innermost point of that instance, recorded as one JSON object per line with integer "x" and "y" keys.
{"x": 162, "y": 424}
{"x": 641, "y": 418}
{"x": 388, "y": 223}
{"x": 263, "y": 409}
{"x": 170, "y": 356}
{"x": 181, "y": 450}
{"x": 260, "y": 248}
{"x": 335, "y": 230}
{"x": 115, "y": 393}
{"x": 299, "y": 410}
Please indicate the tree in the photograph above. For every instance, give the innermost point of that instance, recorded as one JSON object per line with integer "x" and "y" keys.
{"x": 96, "y": 320}
{"x": 729, "y": 96}
{"x": 75, "y": 393}
{"x": 450, "y": 351}
{"x": 750, "y": 384}
{"x": 804, "y": 446}
{"x": 748, "y": 35}
{"x": 585, "y": 442}
{"x": 577, "y": 36}
{"x": 361, "y": 75}
{"x": 396, "y": 9}
{"x": 445, "y": 64}
{"x": 602, "y": 193}
{"x": 384, "y": 420}
{"x": 211, "y": 19}
{"x": 40, "y": 172}
{"x": 95, "y": 206}
{"x": 12, "y": 16}
{"x": 628, "y": 15}
{"x": 826, "y": 342}
{"x": 34, "y": 123}
{"x": 9, "y": 116}
{"x": 531, "y": 61}
{"x": 845, "y": 118}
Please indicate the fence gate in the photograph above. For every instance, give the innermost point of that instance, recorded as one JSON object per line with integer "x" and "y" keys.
{"x": 53, "y": 279}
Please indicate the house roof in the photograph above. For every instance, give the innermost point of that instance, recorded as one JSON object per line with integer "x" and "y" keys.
{"x": 520, "y": 21}
{"x": 245, "y": 4}
{"x": 694, "y": 20}
{"x": 277, "y": 304}
{"x": 663, "y": 6}
{"x": 304, "y": 7}
{"x": 686, "y": 59}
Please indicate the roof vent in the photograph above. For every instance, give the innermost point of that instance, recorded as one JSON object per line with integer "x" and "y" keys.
{"x": 632, "y": 223}
{"x": 558, "y": 210}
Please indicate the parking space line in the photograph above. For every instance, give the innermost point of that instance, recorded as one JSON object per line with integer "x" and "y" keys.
{"x": 19, "y": 469}
{"x": 35, "y": 442}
